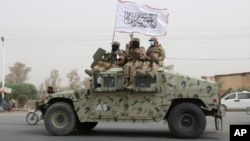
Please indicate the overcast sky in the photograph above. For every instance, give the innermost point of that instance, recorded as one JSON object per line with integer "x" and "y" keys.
{"x": 204, "y": 37}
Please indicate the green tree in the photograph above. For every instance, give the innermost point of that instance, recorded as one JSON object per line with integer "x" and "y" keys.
{"x": 18, "y": 73}
{"x": 22, "y": 100}
{"x": 24, "y": 88}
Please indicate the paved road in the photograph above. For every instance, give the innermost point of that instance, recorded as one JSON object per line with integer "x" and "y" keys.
{"x": 13, "y": 127}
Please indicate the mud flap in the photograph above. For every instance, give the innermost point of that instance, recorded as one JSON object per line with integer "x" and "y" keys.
{"x": 218, "y": 122}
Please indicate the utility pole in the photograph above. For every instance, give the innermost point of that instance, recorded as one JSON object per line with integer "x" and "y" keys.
{"x": 2, "y": 38}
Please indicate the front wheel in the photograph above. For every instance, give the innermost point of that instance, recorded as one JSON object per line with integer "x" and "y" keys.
{"x": 60, "y": 119}
{"x": 32, "y": 118}
{"x": 187, "y": 120}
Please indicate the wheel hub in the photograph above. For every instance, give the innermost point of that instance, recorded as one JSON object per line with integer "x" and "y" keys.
{"x": 59, "y": 119}
{"x": 186, "y": 121}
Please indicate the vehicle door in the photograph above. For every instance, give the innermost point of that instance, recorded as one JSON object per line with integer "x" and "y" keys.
{"x": 108, "y": 100}
{"x": 230, "y": 101}
{"x": 243, "y": 100}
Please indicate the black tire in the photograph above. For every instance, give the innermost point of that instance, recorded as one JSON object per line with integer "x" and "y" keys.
{"x": 86, "y": 125}
{"x": 60, "y": 119}
{"x": 187, "y": 121}
{"x": 32, "y": 118}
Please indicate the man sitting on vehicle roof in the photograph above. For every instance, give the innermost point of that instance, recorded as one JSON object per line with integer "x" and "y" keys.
{"x": 107, "y": 60}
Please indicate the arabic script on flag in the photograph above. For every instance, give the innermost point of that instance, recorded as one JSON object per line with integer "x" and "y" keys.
{"x": 131, "y": 17}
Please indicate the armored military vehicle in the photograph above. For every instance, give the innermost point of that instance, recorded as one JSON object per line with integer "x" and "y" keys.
{"x": 182, "y": 101}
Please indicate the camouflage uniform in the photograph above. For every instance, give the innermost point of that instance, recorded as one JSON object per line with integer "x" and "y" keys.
{"x": 107, "y": 61}
{"x": 101, "y": 66}
{"x": 121, "y": 60}
{"x": 114, "y": 51}
{"x": 145, "y": 62}
{"x": 133, "y": 62}
{"x": 141, "y": 58}
{"x": 156, "y": 56}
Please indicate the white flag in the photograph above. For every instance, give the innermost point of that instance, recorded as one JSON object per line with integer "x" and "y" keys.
{"x": 131, "y": 17}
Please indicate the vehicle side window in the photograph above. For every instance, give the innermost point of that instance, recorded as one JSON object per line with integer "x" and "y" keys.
{"x": 232, "y": 96}
{"x": 244, "y": 96}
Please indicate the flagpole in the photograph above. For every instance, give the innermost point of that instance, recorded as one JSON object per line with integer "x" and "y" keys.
{"x": 115, "y": 22}
{"x": 113, "y": 35}
{"x": 2, "y": 38}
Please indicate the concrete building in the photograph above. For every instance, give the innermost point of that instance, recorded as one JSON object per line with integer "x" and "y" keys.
{"x": 235, "y": 81}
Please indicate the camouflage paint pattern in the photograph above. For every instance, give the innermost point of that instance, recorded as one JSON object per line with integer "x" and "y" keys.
{"x": 142, "y": 104}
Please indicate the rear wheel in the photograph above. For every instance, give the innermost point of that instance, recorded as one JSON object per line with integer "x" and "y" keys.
{"x": 60, "y": 119}
{"x": 86, "y": 125}
{"x": 187, "y": 120}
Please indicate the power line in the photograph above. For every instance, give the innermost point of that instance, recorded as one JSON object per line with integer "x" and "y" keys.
{"x": 209, "y": 59}
{"x": 108, "y": 30}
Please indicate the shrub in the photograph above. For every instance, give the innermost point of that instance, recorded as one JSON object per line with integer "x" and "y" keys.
{"x": 22, "y": 100}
